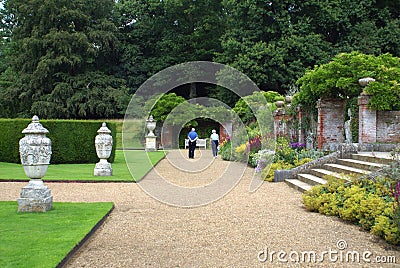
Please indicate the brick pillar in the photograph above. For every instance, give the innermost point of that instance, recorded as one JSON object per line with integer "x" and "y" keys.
{"x": 225, "y": 130}
{"x": 367, "y": 121}
{"x": 330, "y": 124}
{"x": 280, "y": 128}
{"x": 167, "y": 136}
{"x": 301, "y": 136}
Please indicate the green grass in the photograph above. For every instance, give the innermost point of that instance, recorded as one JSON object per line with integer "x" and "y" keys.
{"x": 138, "y": 161}
{"x": 44, "y": 239}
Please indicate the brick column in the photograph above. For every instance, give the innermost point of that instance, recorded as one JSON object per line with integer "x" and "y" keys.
{"x": 280, "y": 127}
{"x": 167, "y": 136}
{"x": 301, "y": 136}
{"x": 367, "y": 121}
{"x": 225, "y": 130}
{"x": 330, "y": 124}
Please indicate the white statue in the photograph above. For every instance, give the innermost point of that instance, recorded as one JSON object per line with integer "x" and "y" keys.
{"x": 347, "y": 128}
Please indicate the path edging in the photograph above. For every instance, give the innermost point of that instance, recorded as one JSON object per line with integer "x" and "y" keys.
{"x": 87, "y": 236}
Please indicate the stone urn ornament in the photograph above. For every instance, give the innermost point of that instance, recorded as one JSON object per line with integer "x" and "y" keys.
{"x": 288, "y": 100}
{"x": 151, "y": 125}
{"x": 151, "y": 138}
{"x": 279, "y": 104}
{"x": 35, "y": 153}
{"x": 103, "y": 143}
{"x": 365, "y": 81}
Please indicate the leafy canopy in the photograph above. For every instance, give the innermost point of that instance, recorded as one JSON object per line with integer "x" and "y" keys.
{"x": 339, "y": 79}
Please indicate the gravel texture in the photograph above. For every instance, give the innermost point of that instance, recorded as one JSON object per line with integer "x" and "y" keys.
{"x": 230, "y": 232}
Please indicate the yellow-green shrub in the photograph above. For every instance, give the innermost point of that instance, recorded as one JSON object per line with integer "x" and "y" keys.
{"x": 365, "y": 202}
{"x": 351, "y": 206}
{"x": 370, "y": 208}
{"x": 384, "y": 227}
{"x": 267, "y": 173}
{"x": 301, "y": 162}
{"x": 324, "y": 198}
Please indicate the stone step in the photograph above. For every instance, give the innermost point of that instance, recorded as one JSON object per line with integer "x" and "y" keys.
{"x": 345, "y": 169}
{"x": 298, "y": 185}
{"x": 360, "y": 164}
{"x": 319, "y": 172}
{"x": 369, "y": 166}
{"x": 311, "y": 179}
{"x": 374, "y": 158}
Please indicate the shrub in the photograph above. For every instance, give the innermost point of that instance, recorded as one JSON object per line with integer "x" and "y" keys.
{"x": 267, "y": 173}
{"x": 384, "y": 227}
{"x": 257, "y": 99}
{"x": 351, "y": 206}
{"x": 261, "y": 159}
{"x": 226, "y": 150}
{"x": 284, "y": 152}
{"x": 72, "y": 140}
{"x": 365, "y": 202}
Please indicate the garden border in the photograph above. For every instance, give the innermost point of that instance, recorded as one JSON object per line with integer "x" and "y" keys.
{"x": 84, "y": 239}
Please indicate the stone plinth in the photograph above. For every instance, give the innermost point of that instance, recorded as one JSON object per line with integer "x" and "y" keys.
{"x": 35, "y": 197}
{"x": 151, "y": 144}
{"x": 103, "y": 168}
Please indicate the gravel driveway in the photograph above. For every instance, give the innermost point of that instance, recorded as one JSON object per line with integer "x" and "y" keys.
{"x": 234, "y": 231}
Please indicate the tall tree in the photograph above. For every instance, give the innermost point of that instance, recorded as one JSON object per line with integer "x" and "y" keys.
{"x": 368, "y": 26}
{"x": 165, "y": 33}
{"x": 64, "y": 54}
{"x": 274, "y": 42}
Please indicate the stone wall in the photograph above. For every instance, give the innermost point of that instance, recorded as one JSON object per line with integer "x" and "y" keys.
{"x": 377, "y": 126}
{"x": 388, "y": 126}
{"x": 330, "y": 124}
{"x": 284, "y": 125}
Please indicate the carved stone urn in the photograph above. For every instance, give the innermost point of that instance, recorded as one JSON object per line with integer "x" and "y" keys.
{"x": 151, "y": 138}
{"x": 103, "y": 143}
{"x": 365, "y": 81}
{"x": 35, "y": 153}
{"x": 151, "y": 125}
{"x": 280, "y": 104}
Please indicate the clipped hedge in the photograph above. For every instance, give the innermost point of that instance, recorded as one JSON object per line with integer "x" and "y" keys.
{"x": 72, "y": 140}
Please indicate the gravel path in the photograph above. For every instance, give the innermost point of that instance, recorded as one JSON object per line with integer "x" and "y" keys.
{"x": 230, "y": 232}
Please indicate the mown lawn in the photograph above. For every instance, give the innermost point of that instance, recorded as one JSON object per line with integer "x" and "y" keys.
{"x": 138, "y": 161}
{"x": 44, "y": 239}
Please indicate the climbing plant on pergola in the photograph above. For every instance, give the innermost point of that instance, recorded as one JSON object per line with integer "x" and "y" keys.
{"x": 339, "y": 79}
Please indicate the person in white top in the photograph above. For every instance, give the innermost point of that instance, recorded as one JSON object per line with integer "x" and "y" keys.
{"x": 214, "y": 142}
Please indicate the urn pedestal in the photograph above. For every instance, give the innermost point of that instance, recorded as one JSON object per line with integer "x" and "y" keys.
{"x": 151, "y": 139}
{"x": 35, "y": 153}
{"x": 103, "y": 143}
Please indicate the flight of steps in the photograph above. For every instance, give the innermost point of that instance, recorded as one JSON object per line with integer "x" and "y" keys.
{"x": 359, "y": 164}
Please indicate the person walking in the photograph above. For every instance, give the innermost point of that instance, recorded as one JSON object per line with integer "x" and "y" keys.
{"x": 214, "y": 142}
{"x": 192, "y": 142}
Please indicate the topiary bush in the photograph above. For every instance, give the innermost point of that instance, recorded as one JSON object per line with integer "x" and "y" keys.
{"x": 72, "y": 140}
